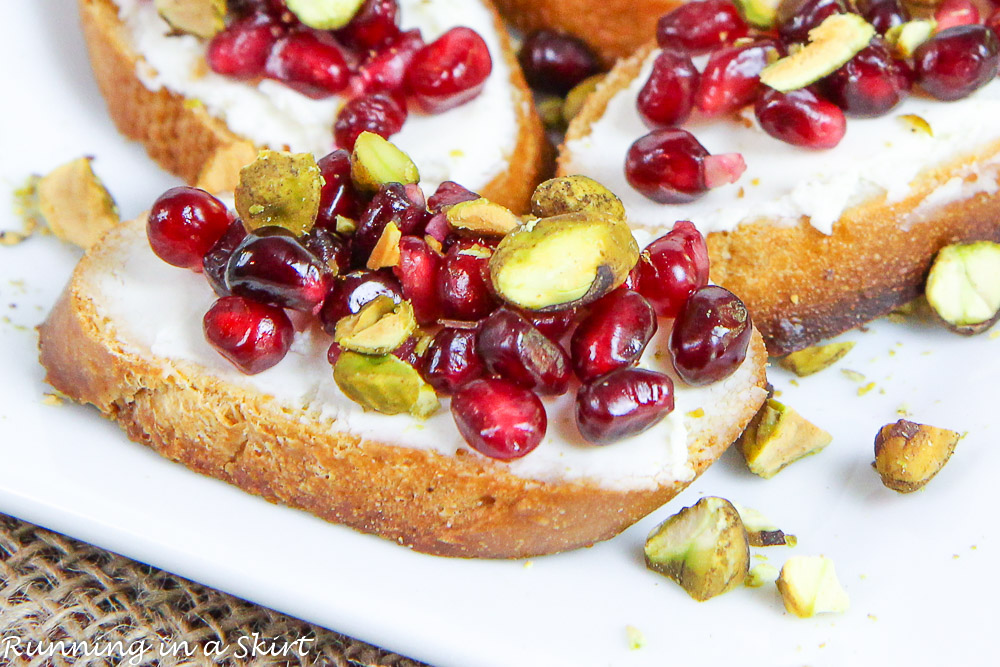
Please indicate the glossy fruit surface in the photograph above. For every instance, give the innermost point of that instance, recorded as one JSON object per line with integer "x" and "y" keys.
{"x": 699, "y": 27}
{"x": 510, "y": 346}
{"x": 279, "y": 271}
{"x": 553, "y": 325}
{"x": 329, "y": 248}
{"x": 710, "y": 337}
{"x": 241, "y": 50}
{"x": 375, "y": 25}
{"x": 951, "y": 13}
{"x": 449, "y": 71}
{"x": 672, "y": 267}
{"x": 254, "y": 337}
{"x": 352, "y": 291}
{"x": 622, "y": 404}
{"x": 308, "y": 63}
{"x": 338, "y": 196}
{"x": 451, "y": 361}
{"x": 884, "y": 14}
{"x": 801, "y": 118}
{"x": 870, "y": 84}
{"x": 419, "y": 273}
{"x": 667, "y": 166}
{"x": 448, "y": 194}
{"x": 379, "y": 113}
{"x": 498, "y": 418}
{"x": 390, "y": 204}
{"x": 184, "y": 223}
{"x": 614, "y": 334}
{"x": 217, "y": 258}
{"x": 385, "y": 69}
{"x": 732, "y": 76}
{"x": 555, "y": 62}
{"x": 958, "y": 61}
{"x": 668, "y": 95}
{"x": 464, "y": 286}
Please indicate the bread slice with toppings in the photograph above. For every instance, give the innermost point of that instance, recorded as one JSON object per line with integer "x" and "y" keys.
{"x": 126, "y": 337}
{"x": 494, "y": 144}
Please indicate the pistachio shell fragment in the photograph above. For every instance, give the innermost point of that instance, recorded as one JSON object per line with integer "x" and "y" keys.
{"x": 201, "y": 18}
{"x": 963, "y": 286}
{"x": 809, "y": 586}
{"x": 831, "y": 44}
{"x": 564, "y": 261}
{"x": 761, "y": 531}
{"x": 907, "y": 37}
{"x": 384, "y": 384}
{"x": 814, "y": 359}
{"x": 576, "y": 97}
{"x": 376, "y": 162}
{"x": 75, "y": 204}
{"x": 573, "y": 194}
{"x": 325, "y": 14}
{"x": 759, "y": 13}
{"x": 908, "y": 455}
{"x": 778, "y": 436}
{"x": 481, "y": 217}
{"x": 703, "y": 548}
{"x": 280, "y": 190}
{"x": 378, "y": 328}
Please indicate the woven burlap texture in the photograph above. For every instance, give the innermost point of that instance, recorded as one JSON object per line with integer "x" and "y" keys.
{"x": 56, "y": 588}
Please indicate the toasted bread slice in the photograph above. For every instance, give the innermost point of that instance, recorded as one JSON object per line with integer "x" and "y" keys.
{"x": 185, "y": 138}
{"x": 804, "y": 280}
{"x": 126, "y": 337}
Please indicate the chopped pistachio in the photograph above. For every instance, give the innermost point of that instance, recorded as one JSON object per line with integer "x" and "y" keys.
{"x": 345, "y": 226}
{"x": 280, "y": 189}
{"x": 778, "y": 436}
{"x": 379, "y": 327}
{"x": 831, "y": 44}
{"x": 201, "y": 18}
{"x": 809, "y": 586}
{"x": 761, "y": 531}
{"x": 908, "y": 455}
{"x": 384, "y": 384}
{"x": 760, "y": 574}
{"x": 759, "y": 13}
{"x": 907, "y": 37}
{"x": 917, "y": 124}
{"x": 577, "y": 97}
{"x": 575, "y": 194}
{"x": 635, "y": 638}
{"x": 75, "y": 204}
{"x": 385, "y": 254}
{"x": 376, "y": 162}
{"x": 963, "y": 286}
{"x": 482, "y": 217}
{"x": 324, "y": 14}
{"x": 814, "y": 359}
{"x": 550, "y": 111}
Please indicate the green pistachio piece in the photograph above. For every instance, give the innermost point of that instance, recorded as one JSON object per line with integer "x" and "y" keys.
{"x": 324, "y": 14}
{"x": 75, "y": 204}
{"x": 378, "y": 328}
{"x": 906, "y": 37}
{"x": 576, "y": 97}
{"x": 831, "y": 44}
{"x": 201, "y": 18}
{"x": 376, "y": 162}
{"x": 759, "y": 13}
{"x": 809, "y": 586}
{"x": 963, "y": 286}
{"x": 550, "y": 111}
{"x": 908, "y": 455}
{"x": 384, "y": 384}
{"x": 778, "y": 436}
{"x": 280, "y": 190}
{"x": 572, "y": 194}
{"x": 814, "y": 359}
{"x": 482, "y": 217}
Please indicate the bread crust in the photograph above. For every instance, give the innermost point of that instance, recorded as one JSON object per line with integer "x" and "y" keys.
{"x": 461, "y": 505}
{"x": 187, "y": 141}
{"x": 802, "y": 285}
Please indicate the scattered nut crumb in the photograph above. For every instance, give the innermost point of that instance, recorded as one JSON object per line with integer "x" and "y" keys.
{"x": 635, "y": 638}
{"x": 51, "y": 399}
{"x": 794, "y": 298}
{"x": 760, "y": 574}
{"x": 696, "y": 414}
{"x": 853, "y": 376}
{"x": 528, "y": 564}
{"x": 865, "y": 389}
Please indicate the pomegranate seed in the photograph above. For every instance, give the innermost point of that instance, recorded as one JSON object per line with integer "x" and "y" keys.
{"x": 710, "y": 336}
{"x": 993, "y": 22}
{"x": 329, "y": 249}
{"x": 379, "y": 113}
{"x": 184, "y": 224}
{"x": 555, "y": 61}
{"x": 390, "y": 204}
{"x": 451, "y": 361}
{"x": 622, "y": 403}
{"x": 801, "y": 118}
{"x": 333, "y": 354}
{"x": 244, "y": 7}
{"x": 449, "y": 71}
{"x": 375, "y": 25}
{"x": 668, "y": 96}
{"x": 884, "y": 14}
{"x": 797, "y": 17}
{"x": 439, "y": 228}
{"x": 217, "y": 258}
{"x": 723, "y": 169}
{"x": 419, "y": 271}
{"x": 672, "y": 267}
{"x": 699, "y": 27}
{"x": 338, "y": 196}
{"x": 553, "y": 325}
{"x": 279, "y": 271}
{"x": 352, "y": 291}
{"x": 447, "y": 195}
{"x": 511, "y": 347}
{"x": 241, "y": 50}
{"x": 408, "y": 352}
{"x": 464, "y": 286}
{"x": 498, "y": 418}
{"x": 870, "y": 84}
{"x": 614, "y": 335}
{"x": 732, "y": 76}
{"x": 254, "y": 337}
{"x": 668, "y": 166}
{"x": 958, "y": 61}
{"x": 951, "y": 13}
{"x": 385, "y": 69}
{"x": 308, "y": 63}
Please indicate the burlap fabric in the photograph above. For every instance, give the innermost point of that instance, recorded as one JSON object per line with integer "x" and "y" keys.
{"x": 55, "y": 588}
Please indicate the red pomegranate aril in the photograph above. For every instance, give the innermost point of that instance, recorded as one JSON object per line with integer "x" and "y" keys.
{"x": 732, "y": 76}
{"x": 184, "y": 224}
{"x": 464, "y": 285}
{"x": 498, "y": 418}
{"x": 699, "y": 27}
{"x": 312, "y": 65}
{"x": 622, "y": 404}
{"x": 951, "y": 13}
{"x": 375, "y": 25}
{"x": 408, "y": 352}
{"x": 329, "y": 249}
{"x": 672, "y": 267}
{"x": 710, "y": 337}
{"x": 241, "y": 50}
{"x": 449, "y": 71}
{"x": 668, "y": 166}
{"x": 419, "y": 272}
{"x": 253, "y": 336}
{"x": 870, "y": 84}
{"x": 796, "y": 17}
{"x": 801, "y": 118}
{"x": 614, "y": 335}
{"x": 390, "y": 204}
{"x": 352, "y": 291}
{"x": 884, "y": 14}
{"x": 555, "y": 62}
{"x": 553, "y": 325}
{"x": 668, "y": 95}
{"x": 333, "y": 354}
{"x": 385, "y": 69}
{"x": 510, "y": 346}
{"x": 958, "y": 61}
{"x": 244, "y": 7}
{"x": 338, "y": 196}
{"x": 379, "y": 113}
{"x": 279, "y": 271}
{"x": 993, "y": 22}
{"x": 217, "y": 258}
{"x": 447, "y": 195}
{"x": 451, "y": 360}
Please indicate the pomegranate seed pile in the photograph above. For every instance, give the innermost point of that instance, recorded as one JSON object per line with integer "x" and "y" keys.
{"x": 381, "y": 70}
{"x": 495, "y": 360}
{"x": 670, "y": 166}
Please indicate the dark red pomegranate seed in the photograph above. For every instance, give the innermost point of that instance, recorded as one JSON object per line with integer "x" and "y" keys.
{"x": 451, "y": 361}
{"x": 797, "y": 17}
{"x": 732, "y": 76}
{"x": 385, "y": 69}
{"x": 408, "y": 352}
{"x": 329, "y": 248}
{"x": 390, "y": 204}
{"x": 447, "y": 195}
{"x": 309, "y": 63}
{"x": 672, "y": 267}
{"x": 243, "y": 7}
{"x": 184, "y": 224}
{"x": 241, "y": 50}
{"x": 333, "y": 354}
{"x": 352, "y": 291}
{"x": 217, "y": 258}
{"x": 951, "y": 13}
{"x": 668, "y": 95}
{"x": 614, "y": 334}
{"x": 254, "y": 337}
{"x": 870, "y": 84}
{"x": 801, "y": 118}
{"x": 449, "y": 71}
{"x": 555, "y": 61}
{"x": 375, "y": 25}
{"x": 699, "y": 27}
{"x": 668, "y": 166}
{"x": 419, "y": 273}
{"x": 498, "y": 418}
{"x": 710, "y": 337}
{"x": 379, "y": 113}
{"x": 279, "y": 271}
{"x": 464, "y": 286}
{"x": 553, "y": 325}
{"x": 622, "y": 403}
{"x": 884, "y": 14}
{"x": 958, "y": 61}
{"x": 510, "y": 346}
{"x": 338, "y": 196}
